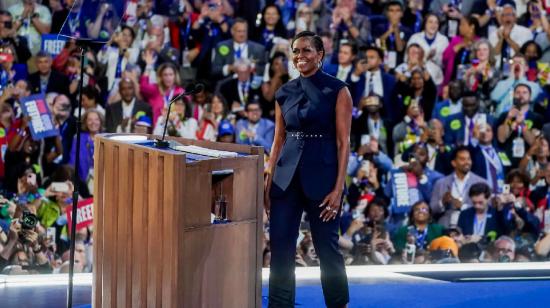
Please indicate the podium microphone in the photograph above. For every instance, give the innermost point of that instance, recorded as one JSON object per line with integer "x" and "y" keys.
{"x": 196, "y": 88}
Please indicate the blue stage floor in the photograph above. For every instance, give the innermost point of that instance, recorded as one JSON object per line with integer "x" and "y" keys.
{"x": 464, "y": 286}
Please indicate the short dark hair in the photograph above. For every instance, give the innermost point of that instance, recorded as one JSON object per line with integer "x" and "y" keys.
{"x": 458, "y": 149}
{"x": 480, "y": 189}
{"x": 523, "y": 48}
{"x": 253, "y": 102}
{"x": 132, "y": 32}
{"x": 91, "y": 92}
{"x": 315, "y": 40}
{"x": 393, "y": 3}
{"x": 472, "y": 21}
{"x": 351, "y": 45}
{"x": 239, "y": 20}
{"x": 376, "y": 49}
{"x": 469, "y": 93}
{"x": 523, "y": 84}
{"x": 377, "y": 201}
{"x": 411, "y": 211}
{"x": 517, "y": 173}
{"x": 43, "y": 54}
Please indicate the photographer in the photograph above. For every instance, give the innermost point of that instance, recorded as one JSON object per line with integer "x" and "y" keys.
{"x": 31, "y": 21}
{"x": 8, "y": 34}
{"x": 481, "y": 220}
{"x": 364, "y": 183}
{"x": 516, "y": 129}
{"x": 518, "y": 208}
{"x": 535, "y": 161}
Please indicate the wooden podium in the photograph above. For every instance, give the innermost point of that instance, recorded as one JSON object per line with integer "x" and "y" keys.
{"x": 154, "y": 243}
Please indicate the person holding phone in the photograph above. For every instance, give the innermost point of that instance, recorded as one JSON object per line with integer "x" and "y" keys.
{"x": 306, "y": 171}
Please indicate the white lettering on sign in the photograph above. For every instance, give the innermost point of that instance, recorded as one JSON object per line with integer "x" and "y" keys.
{"x": 36, "y": 119}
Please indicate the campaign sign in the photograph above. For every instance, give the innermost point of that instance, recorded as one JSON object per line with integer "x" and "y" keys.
{"x": 53, "y": 44}
{"x": 84, "y": 214}
{"x": 41, "y": 124}
{"x": 405, "y": 191}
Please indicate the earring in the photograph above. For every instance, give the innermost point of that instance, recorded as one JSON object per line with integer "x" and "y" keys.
{"x": 319, "y": 64}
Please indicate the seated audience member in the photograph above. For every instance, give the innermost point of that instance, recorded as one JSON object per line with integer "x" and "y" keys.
{"x": 255, "y": 130}
{"x": 180, "y": 121}
{"x": 121, "y": 115}
{"x": 481, "y": 220}
{"x": 420, "y": 231}
{"x": 450, "y": 194}
{"x": 226, "y": 132}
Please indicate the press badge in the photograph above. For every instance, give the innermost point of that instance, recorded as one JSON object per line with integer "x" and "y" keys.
{"x": 518, "y": 148}
{"x": 391, "y": 59}
{"x": 453, "y": 27}
{"x": 546, "y": 221}
{"x": 492, "y": 29}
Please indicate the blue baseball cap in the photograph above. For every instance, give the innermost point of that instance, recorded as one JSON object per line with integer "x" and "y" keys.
{"x": 225, "y": 128}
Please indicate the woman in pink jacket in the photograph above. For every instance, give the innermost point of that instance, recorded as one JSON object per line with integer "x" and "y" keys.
{"x": 167, "y": 85}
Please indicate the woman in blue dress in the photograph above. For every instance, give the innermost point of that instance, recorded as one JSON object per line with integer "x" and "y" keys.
{"x": 306, "y": 171}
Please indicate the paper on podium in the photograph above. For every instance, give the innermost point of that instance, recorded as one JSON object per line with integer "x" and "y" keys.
{"x": 204, "y": 151}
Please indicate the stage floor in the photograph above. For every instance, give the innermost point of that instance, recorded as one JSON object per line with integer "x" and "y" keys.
{"x": 446, "y": 285}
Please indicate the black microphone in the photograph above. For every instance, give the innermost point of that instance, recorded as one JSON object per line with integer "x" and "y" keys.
{"x": 194, "y": 88}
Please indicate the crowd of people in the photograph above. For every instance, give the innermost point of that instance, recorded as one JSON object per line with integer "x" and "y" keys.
{"x": 450, "y": 133}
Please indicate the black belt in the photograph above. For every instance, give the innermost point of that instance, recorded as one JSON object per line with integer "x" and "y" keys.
{"x": 309, "y": 135}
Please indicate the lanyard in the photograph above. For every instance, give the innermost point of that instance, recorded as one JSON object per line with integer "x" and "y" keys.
{"x": 168, "y": 96}
{"x": 465, "y": 54}
{"x": 418, "y": 22}
{"x": 421, "y": 237}
{"x": 186, "y": 32}
{"x": 118, "y": 72}
{"x": 392, "y": 41}
{"x": 479, "y": 226}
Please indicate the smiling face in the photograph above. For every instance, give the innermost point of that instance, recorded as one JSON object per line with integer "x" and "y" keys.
{"x": 305, "y": 57}
{"x": 271, "y": 16}
{"x": 432, "y": 25}
{"x": 483, "y": 51}
{"x": 421, "y": 213}
{"x": 93, "y": 122}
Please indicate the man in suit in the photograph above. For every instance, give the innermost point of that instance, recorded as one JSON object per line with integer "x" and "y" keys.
{"x": 238, "y": 47}
{"x": 459, "y": 128}
{"x": 481, "y": 220}
{"x": 255, "y": 130}
{"x": 487, "y": 161}
{"x": 450, "y": 194}
{"x": 240, "y": 90}
{"x": 46, "y": 80}
{"x": 346, "y": 55}
{"x": 368, "y": 78}
{"x": 121, "y": 115}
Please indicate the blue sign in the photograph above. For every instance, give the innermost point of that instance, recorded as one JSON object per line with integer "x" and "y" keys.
{"x": 53, "y": 44}
{"x": 405, "y": 191}
{"x": 41, "y": 123}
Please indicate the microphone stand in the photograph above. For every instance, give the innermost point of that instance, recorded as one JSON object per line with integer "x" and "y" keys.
{"x": 162, "y": 143}
{"x": 83, "y": 44}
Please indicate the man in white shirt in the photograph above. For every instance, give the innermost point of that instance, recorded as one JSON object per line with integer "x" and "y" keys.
{"x": 509, "y": 38}
{"x": 31, "y": 21}
{"x": 346, "y": 55}
{"x": 450, "y": 194}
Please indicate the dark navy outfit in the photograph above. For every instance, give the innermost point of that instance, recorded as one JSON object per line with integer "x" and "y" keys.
{"x": 305, "y": 173}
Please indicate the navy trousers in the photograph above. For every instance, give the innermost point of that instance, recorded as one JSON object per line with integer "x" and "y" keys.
{"x": 286, "y": 213}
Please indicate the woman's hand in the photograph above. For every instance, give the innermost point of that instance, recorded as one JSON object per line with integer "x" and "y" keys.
{"x": 268, "y": 178}
{"x": 332, "y": 204}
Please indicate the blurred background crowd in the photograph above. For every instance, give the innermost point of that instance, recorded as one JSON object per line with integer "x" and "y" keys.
{"x": 450, "y": 134}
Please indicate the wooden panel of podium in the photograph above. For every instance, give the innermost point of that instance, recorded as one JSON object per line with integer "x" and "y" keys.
{"x": 154, "y": 242}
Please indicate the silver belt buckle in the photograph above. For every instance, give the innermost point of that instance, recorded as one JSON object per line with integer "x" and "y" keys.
{"x": 299, "y": 135}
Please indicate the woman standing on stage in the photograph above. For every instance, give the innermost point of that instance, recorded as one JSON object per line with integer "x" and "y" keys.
{"x": 306, "y": 171}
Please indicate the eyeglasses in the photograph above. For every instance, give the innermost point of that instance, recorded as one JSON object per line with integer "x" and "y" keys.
{"x": 421, "y": 209}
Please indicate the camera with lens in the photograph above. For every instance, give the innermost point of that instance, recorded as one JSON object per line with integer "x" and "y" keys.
{"x": 28, "y": 221}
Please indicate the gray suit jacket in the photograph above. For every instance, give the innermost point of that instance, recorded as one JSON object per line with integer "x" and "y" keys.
{"x": 450, "y": 216}
{"x": 224, "y": 54}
